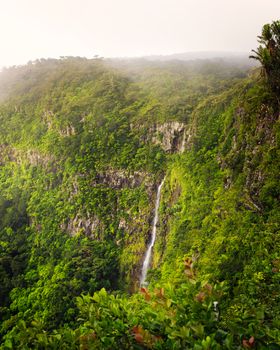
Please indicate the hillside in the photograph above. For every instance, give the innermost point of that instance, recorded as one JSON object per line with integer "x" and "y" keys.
{"x": 84, "y": 146}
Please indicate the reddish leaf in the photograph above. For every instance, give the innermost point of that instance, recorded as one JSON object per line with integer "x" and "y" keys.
{"x": 252, "y": 340}
{"x": 147, "y": 297}
{"x": 248, "y": 344}
{"x": 188, "y": 263}
{"x": 138, "y": 337}
{"x": 137, "y": 329}
{"x": 145, "y": 292}
{"x": 92, "y": 335}
{"x": 200, "y": 297}
{"x": 209, "y": 288}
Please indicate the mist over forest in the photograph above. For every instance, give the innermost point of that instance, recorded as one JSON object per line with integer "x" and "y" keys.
{"x": 139, "y": 201}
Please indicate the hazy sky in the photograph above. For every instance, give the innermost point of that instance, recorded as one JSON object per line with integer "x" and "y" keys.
{"x": 31, "y": 29}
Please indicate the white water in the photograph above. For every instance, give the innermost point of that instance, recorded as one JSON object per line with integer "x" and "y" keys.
{"x": 148, "y": 255}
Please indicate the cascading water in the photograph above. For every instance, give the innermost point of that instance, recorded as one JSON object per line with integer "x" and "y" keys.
{"x": 147, "y": 260}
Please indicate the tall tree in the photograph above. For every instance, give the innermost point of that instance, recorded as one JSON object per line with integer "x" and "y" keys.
{"x": 268, "y": 54}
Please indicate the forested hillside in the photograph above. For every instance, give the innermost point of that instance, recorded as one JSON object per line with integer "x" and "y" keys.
{"x": 84, "y": 145}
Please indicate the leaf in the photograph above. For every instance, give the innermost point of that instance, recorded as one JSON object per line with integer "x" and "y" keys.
{"x": 8, "y": 344}
{"x": 146, "y": 294}
{"x": 138, "y": 337}
{"x": 159, "y": 293}
{"x": 248, "y": 344}
{"x": 168, "y": 302}
{"x": 200, "y": 297}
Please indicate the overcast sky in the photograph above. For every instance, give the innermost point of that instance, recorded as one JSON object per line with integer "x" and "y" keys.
{"x": 31, "y": 29}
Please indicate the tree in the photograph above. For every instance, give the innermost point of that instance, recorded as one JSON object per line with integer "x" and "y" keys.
{"x": 268, "y": 54}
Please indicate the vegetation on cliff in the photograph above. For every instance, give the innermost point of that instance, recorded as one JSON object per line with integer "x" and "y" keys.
{"x": 84, "y": 144}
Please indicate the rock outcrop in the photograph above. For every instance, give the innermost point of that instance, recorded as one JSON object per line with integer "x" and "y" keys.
{"x": 48, "y": 118}
{"x": 170, "y": 136}
{"x": 118, "y": 179}
{"x": 173, "y": 136}
{"x": 89, "y": 226}
{"x": 31, "y": 156}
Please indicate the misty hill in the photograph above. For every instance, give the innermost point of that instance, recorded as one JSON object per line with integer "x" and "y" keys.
{"x": 188, "y": 64}
{"x": 84, "y": 146}
{"x": 233, "y": 57}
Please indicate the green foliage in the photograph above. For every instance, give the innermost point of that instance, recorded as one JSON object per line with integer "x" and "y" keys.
{"x": 79, "y": 166}
{"x": 268, "y": 53}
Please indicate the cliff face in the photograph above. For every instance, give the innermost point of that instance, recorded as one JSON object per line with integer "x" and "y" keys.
{"x": 118, "y": 179}
{"x": 78, "y": 181}
{"x": 221, "y": 203}
{"x": 172, "y": 137}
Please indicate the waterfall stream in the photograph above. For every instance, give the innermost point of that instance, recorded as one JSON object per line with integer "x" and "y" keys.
{"x": 148, "y": 255}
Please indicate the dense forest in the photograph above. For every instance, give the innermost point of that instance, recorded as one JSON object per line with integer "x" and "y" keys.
{"x": 84, "y": 145}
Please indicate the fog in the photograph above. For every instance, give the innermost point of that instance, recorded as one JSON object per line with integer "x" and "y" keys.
{"x": 33, "y": 29}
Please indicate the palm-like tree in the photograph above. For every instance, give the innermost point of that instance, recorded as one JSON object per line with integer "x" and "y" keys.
{"x": 268, "y": 53}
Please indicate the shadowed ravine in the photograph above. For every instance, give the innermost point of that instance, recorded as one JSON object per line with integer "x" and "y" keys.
{"x": 148, "y": 254}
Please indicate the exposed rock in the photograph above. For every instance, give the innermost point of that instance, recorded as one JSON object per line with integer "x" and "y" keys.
{"x": 123, "y": 224}
{"x": 173, "y": 136}
{"x": 48, "y": 118}
{"x": 69, "y": 130}
{"x": 36, "y": 158}
{"x": 90, "y": 226}
{"x": 170, "y": 136}
{"x": 227, "y": 182}
{"x": 7, "y": 154}
{"x": 118, "y": 179}
{"x": 75, "y": 187}
{"x": 32, "y": 156}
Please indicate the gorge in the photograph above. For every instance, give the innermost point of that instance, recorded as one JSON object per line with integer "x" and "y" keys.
{"x": 111, "y": 168}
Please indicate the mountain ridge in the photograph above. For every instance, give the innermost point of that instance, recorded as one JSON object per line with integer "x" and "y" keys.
{"x": 84, "y": 144}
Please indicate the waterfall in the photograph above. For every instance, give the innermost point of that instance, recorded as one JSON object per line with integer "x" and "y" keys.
{"x": 147, "y": 260}
{"x": 182, "y": 148}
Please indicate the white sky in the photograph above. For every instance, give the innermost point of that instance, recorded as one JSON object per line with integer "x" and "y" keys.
{"x": 31, "y": 29}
